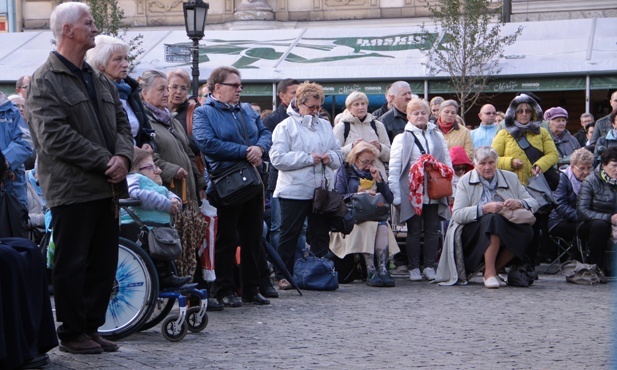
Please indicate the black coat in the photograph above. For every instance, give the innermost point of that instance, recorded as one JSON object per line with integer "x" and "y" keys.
{"x": 597, "y": 199}
{"x": 395, "y": 122}
{"x": 565, "y": 200}
{"x": 145, "y": 135}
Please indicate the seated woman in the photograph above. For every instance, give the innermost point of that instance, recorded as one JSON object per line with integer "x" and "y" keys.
{"x": 477, "y": 228}
{"x": 157, "y": 205}
{"x": 596, "y": 207}
{"x": 370, "y": 238}
{"x": 563, "y": 219}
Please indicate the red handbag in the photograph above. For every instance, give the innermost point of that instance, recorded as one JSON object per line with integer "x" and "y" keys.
{"x": 438, "y": 185}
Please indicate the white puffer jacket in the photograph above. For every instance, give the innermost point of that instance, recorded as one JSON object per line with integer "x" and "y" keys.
{"x": 293, "y": 141}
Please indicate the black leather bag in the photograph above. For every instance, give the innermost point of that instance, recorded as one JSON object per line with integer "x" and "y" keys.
{"x": 367, "y": 207}
{"x": 164, "y": 243}
{"x": 236, "y": 184}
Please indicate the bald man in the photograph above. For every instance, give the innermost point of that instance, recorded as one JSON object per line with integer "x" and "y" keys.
{"x": 484, "y": 135}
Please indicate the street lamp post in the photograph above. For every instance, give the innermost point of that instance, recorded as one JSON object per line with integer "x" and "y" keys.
{"x": 195, "y": 12}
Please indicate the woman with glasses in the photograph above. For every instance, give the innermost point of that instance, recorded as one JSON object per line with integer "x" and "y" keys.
{"x": 372, "y": 239}
{"x": 357, "y": 125}
{"x": 157, "y": 206}
{"x": 415, "y": 208}
{"x": 527, "y": 149}
{"x": 563, "y": 220}
{"x": 173, "y": 154}
{"x": 179, "y": 85}
{"x": 306, "y": 153}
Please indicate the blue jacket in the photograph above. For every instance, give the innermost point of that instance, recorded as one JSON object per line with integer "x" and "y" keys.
{"x": 565, "y": 199}
{"x": 15, "y": 148}
{"x": 219, "y": 133}
{"x": 347, "y": 181}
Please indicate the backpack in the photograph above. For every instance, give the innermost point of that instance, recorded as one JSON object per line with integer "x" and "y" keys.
{"x": 348, "y": 127}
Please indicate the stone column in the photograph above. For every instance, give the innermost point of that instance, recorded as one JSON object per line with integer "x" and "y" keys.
{"x": 253, "y": 10}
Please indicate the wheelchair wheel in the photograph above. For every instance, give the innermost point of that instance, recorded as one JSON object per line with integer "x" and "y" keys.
{"x": 162, "y": 308}
{"x": 173, "y": 332}
{"x": 134, "y": 292}
{"x": 195, "y": 323}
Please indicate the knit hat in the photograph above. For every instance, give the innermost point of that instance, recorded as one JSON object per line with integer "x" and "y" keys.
{"x": 458, "y": 155}
{"x": 555, "y": 112}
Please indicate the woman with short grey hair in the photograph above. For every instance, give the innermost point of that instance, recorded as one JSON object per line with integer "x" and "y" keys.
{"x": 110, "y": 57}
{"x": 357, "y": 125}
{"x": 456, "y": 134}
{"x": 478, "y": 229}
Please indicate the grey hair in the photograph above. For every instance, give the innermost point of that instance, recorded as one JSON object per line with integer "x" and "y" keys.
{"x": 180, "y": 73}
{"x": 447, "y": 103}
{"x": 581, "y": 156}
{"x": 585, "y": 115}
{"x": 20, "y": 81}
{"x": 397, "y": 86}
{"x": 106, "y": 46}
{"x": 437, "y": 100}
{"x": 146, "y": 80}
{"x": 66, "y": 13}
{"x": 483, "y": 152}
{"x": 355, "y": 96}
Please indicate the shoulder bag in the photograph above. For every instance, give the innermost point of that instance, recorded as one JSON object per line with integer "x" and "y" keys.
{"x": 367, "y": 207}
{"x": 538, "y": 188}
{"x": 163, "y": 241}
{"x": 314, "y": 273}
{"x": 518, "y": 216}
{"x": 438, "y": 185}
{"x": 236, "y": 184}
{"x": 327, "y": 202}
{"x": 533, "y": 154}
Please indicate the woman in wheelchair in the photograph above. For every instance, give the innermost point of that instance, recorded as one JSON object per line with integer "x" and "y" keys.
{"x": 563, "y": 219}
{"x": 157, "y": 205}
{"x": 597, "y": 208}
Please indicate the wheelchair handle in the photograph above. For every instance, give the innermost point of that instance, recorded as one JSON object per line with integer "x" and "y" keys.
{"x": 129, "y": 202}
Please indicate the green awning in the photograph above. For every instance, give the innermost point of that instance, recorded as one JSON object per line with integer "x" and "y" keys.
{"x": 516, "y": 85}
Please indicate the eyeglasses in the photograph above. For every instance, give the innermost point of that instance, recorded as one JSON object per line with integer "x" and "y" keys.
{"x": 489, "y": 113}
{"x": 524, "y": 111}
{"x": 23, "y": 87}
{"x": 203, "y": 95}
{"x": 313, "y": 107}
{"x": 235, "y": 85}
{"x": 460, "y": 168}
{"x": 150, "y": 167}
{"x": 367, "y": 162}
{"x": 181, "y": 88}
{"x": 584, "y": 169}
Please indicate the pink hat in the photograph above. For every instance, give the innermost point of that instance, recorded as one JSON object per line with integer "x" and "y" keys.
{"x": 555, "y": 112}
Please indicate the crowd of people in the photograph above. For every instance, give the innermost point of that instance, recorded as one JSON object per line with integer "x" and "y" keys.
{"x": 99, "y": 135}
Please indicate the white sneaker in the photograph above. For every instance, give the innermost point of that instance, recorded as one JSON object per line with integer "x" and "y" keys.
{"x": 429, "y": 273}
{"x": 414, "y": 275}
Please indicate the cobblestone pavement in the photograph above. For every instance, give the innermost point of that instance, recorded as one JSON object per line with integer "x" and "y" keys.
{"x": 551, "y": 325}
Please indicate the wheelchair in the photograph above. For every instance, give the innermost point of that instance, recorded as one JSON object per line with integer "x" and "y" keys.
{"x": 137, "y": 303}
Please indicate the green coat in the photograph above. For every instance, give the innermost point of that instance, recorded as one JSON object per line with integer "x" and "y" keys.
{"x": 67, "y": 135}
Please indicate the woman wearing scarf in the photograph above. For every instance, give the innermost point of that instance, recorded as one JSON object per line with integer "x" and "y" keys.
{"x": 563, "y": 219}
{"x": 456, "y": 134}
{"x": 370, "y": 238}
{"x": 110, "y": 57}
{"x": 306, "y": 153}
{"x": 408, "y": 184}
{"x": 596, "y": 207}
{"x": 478, "y": 230}
{"x": 173, "y": 154}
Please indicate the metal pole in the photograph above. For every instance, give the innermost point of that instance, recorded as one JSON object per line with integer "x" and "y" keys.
{"x": 195, "y": 66}
{"x": 587, "y": 92}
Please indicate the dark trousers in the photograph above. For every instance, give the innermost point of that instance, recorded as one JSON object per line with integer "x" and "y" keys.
{"x": 242, "y": 223}
{"x": 86, "y": 258}
{"x": 597, "y": 235}
{"x": 293, "y": 214}
{"x": 430, "y": 222}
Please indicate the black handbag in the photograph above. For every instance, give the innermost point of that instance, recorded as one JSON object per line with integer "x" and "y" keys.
{"x": 327, "y": 202}
{"x": 236, "y": 184}
{"x": 367, "y": 207}
{"x": 314, "y": 273}
{"x": 164, "y": 243}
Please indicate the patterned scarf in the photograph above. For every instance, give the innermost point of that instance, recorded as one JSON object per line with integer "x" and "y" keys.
{"x": 416, "y": 179}
{"x": 489, "y": 187}
{"x": 366, "y": 180}
{"x": 609, "y": 180}
{"x": 161, "y": 115}
{"x": 517, "y": 130}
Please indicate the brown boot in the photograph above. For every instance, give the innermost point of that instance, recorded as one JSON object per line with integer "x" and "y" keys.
{"x": 106, "y": 344}
{"x": 82, "y": 345}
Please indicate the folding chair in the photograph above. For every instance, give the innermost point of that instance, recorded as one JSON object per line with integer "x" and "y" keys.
{"x": 565, "y": 247}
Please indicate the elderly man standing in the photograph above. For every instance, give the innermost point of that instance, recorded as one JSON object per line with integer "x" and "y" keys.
{"x": 84, "y": 145}
{"x": 396, "y": 118}
{"x": 484, "y": 135}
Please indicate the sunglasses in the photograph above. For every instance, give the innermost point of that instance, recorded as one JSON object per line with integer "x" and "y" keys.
{"x": 235, "y": 86}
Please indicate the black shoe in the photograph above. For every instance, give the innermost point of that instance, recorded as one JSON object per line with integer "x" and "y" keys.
{"x": 231, "y": 300}
{"x": 268, "y": 291}
{"x": 173, "y": 281}
{"x": 256, "y": 299}
{"x": 214, "y": 305}
{"x": 374, "y": 280}
{"x": 37, "y": 362}
{"x": 387, "y": 280}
